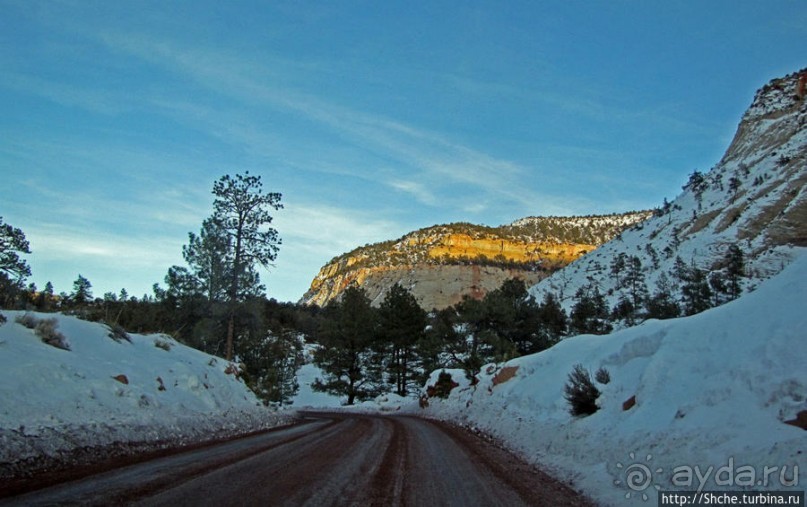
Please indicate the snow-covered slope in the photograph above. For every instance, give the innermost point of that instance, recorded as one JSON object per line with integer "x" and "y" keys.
{"x": 754, "y": 198}
{"x": 712, "y": 392}
{"x": 306, "y": 376}
{"x": 103, "y": 391}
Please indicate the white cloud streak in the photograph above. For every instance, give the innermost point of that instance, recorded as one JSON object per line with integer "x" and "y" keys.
{"x": 430, "y": 157}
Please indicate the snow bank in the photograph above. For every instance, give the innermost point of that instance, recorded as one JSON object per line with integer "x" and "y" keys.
{"x": 306, "y": 396}
{"x": 711, "y": 390}
{"x": 103, "y": 391}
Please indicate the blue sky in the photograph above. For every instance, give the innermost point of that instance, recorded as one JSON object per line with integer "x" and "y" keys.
{"x": 371, "y": 118}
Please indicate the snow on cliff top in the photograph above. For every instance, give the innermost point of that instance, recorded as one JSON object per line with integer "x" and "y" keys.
{"x": 711, "y": 390}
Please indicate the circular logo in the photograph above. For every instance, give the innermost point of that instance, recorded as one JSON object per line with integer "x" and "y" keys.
{"x": 637, "y": 476}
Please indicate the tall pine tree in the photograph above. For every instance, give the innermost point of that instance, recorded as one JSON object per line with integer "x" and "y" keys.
{"x": 82, "y": 291}
{"x": 241, "y": 214}
{"x": 347, "y": 357}
{"x": 590, "y": 313}
{"x": 402, "y": 325}
{"x": 735, "y": 270}
{"x": 695, "y": 291}
{"x": 12, "y": 244}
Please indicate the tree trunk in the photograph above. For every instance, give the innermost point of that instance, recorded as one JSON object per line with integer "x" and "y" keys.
{"x": 228, "y": 355}
{"x": 351, "y": 392}
{"x": 404, "y": 368}
{"x": 234, "y": 292}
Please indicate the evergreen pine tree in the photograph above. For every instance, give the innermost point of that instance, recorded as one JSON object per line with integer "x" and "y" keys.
{"x": 13, "y": 269}
{"x": 590, "y": 312}
{"x": 718, "y": 287}
{"x": 697, "y": 295}
{"x": 209, "y": 257}
{"x": 618, "y": 264}
{"x": 346, "y": 357}
{"x": 271, "y": 365}
{"x": 512, "y": 319}
{"x": 635, "y": 284}
{"x": 553, "y": 321}
{"x": 241, "y": 211}
{"x": 472, "y": 344}
{"x": 82, "y": 291}
{"x": 624, "y": 311}
{"x": 12, "y": 244}
{"x": 735, "y": 270}
{"x": 45, "y": 299}
{"x": 580, "y": 392}
{"x": 402, "y": 324}
{"x": 662, "y": 304}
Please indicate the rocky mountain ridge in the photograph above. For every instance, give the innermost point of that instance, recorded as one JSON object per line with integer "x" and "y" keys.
{"x": 754, "y": 198}
{"x": 443, "y": 263}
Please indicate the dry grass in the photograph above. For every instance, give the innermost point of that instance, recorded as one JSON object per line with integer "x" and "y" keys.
{"x": 702, "y": 221}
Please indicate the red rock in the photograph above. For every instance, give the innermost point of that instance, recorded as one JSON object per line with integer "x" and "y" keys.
{"x": 800, "y": 421}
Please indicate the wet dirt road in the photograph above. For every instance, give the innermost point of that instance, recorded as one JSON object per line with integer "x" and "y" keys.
{"x": 327, "y": 459}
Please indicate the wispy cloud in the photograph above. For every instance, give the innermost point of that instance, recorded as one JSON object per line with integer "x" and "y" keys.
{"x": 429, "y": 156}
{"x": 418, "y": 190}
{"x": 81, "y": 246}
{"x": 60, "y": 252}
{"x": 312, "y": 235}
{"x": 96, "y": 100}
{"x": 328, "y": 231}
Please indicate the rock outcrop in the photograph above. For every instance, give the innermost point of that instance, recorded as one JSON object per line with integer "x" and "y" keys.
{"x": 442, "y": 264}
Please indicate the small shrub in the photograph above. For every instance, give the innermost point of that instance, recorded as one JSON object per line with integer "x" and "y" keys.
{"x": 580, "y": 392}
{"x": 234, "y": 370}
{"x": 46, "y": 330}
{"x": 27, "y": 320}
{"x": 117, "y": 333}
{"x": 444, "y": 385}
{"x": 602, "y": 376}
{"x": 162, "y": 343}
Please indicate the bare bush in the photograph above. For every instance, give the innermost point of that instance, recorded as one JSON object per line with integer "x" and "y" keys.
{"x": 117, "y": 333}
{"x": 162, "y": 343}
{"x": 27, "y": 320}
{"x": 46, "y": 330}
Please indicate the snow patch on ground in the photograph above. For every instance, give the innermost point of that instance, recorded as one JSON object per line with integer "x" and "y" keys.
{"x": 306, "y": 376}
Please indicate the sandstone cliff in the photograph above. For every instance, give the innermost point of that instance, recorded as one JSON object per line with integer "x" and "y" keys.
{"x": 442, "y": 264}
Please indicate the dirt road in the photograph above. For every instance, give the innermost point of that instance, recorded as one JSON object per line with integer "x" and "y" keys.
{"x": 327, "y": 459}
